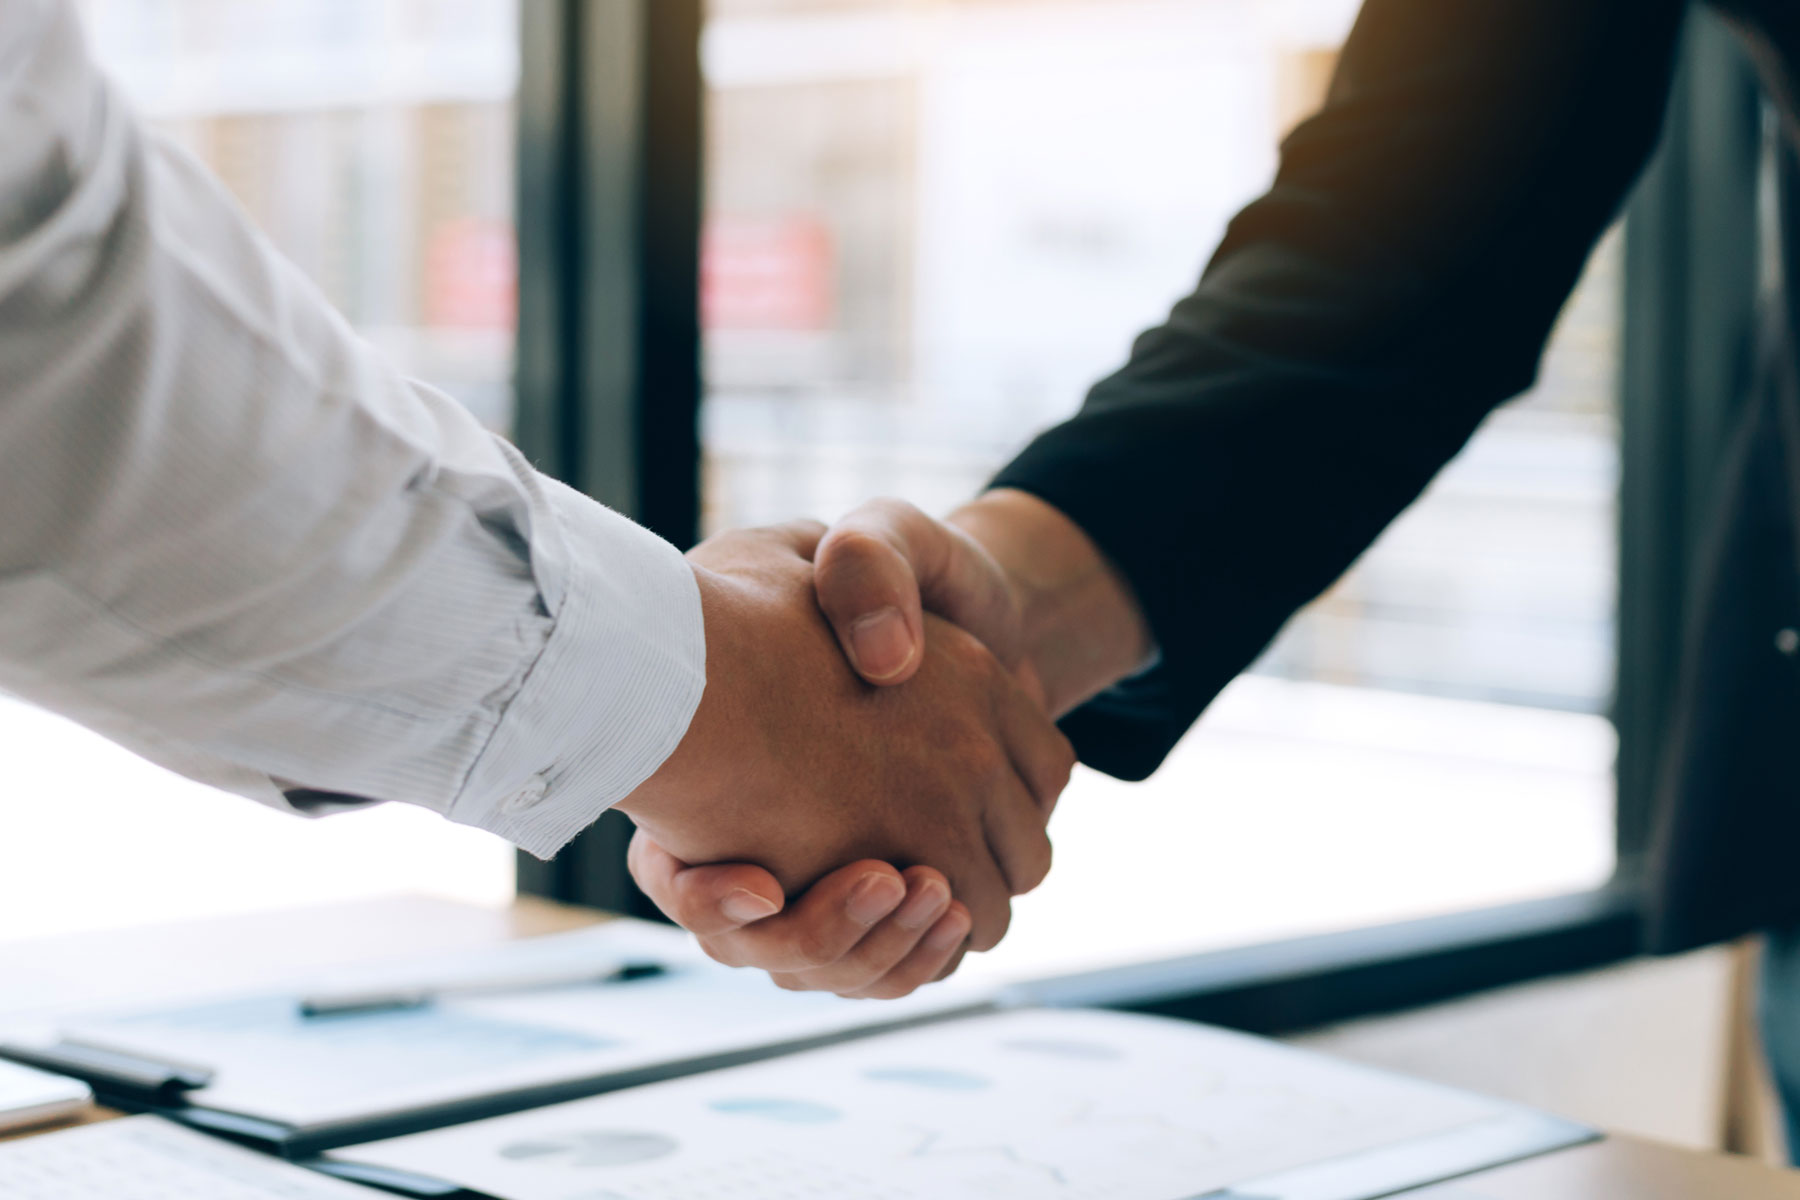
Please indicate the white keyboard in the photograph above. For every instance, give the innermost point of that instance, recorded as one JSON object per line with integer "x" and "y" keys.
{"x": 148, "y": 1159}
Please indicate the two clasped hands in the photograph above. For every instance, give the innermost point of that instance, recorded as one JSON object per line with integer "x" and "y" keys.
{"x": 877, "y": 739}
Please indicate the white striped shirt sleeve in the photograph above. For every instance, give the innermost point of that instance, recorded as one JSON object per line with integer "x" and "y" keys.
{"x": 234, "y": 539}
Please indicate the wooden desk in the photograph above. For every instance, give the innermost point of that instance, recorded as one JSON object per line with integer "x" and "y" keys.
{"x": 1624, "y": 1169}
{"x": 148, "y": 965}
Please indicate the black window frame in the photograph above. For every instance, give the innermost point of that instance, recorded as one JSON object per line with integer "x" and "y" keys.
{"x": 607, "y": 374}
{"x": 609, "y": 392}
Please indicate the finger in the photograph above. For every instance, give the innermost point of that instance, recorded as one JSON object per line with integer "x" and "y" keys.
{"x": 882, "y": 566}
{"x": 820, "y": 927}
{"x": 981, "y": 885}
{"x": 1016, "y": 837}
{"x": 707, "y": 900}
{"x": 933, "y": 958}
{"x": 866, "y": 573}
{"x": 956, "y": 960}
{"x": 1040, "y": 754}
{"x": 1016, "y": 813}
{"x": 889, "y": 943}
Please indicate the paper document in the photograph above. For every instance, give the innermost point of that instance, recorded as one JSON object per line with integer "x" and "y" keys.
{"x": 273, "y": 1063}
{"x": 144, "y": 1158}
{"x": 1014, "y": 1106}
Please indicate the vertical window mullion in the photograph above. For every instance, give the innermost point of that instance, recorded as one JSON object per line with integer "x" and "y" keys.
{"x": 1692, "y": 271}
{"x": 608, "y": 372}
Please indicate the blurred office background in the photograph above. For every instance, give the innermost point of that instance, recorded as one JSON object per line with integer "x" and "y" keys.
{"x": 929, "y": 226}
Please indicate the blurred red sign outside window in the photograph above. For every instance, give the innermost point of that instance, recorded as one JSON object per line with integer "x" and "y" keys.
{"x": 471, "y": 275}
{"x": 767, "y": 273}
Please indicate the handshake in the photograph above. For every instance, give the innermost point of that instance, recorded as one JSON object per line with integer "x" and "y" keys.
{"x": 877, "y": 739}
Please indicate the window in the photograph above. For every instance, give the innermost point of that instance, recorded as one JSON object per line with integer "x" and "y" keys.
{"x": 930, "y": 227}
{"x": 372, "y": 140}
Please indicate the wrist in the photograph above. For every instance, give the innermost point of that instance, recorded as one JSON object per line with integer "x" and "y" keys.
{"x": 683, "y": 777}
{"x": 1082, "y": 626}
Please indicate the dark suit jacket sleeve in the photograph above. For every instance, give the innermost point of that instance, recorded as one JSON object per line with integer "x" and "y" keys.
{"x": 1396, "y": 283}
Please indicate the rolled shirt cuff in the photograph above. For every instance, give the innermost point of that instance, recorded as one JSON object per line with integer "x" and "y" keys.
{"x": 612, "y": 693}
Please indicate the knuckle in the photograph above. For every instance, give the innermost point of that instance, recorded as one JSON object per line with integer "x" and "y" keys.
{"x": 848, "y": 556}
{"x": 853, "y": 985}
{"x": 993, "y": 930}
{"x": 893, "y": 510}
{"x": 888, "y": 989}
{"x": 864, "y": 967}
{"x": 720, "y": 951}
{"x": 1036, "y": 867}
{"x": 967, "y": 652}
{"x": 689, "y": 907}
{"x": 816, "y": 948}
{"x": 973, "y": 753}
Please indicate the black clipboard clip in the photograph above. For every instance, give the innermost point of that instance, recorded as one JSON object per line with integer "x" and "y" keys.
{"x": 129, "y": 1080}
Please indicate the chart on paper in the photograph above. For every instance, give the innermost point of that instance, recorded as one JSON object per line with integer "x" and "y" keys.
{"x": 1021, "y": 1106}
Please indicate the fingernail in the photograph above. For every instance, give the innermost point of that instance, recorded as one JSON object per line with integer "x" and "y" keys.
{"x": 881, "y": 644}
{"x": 874, "y": 898}
{"x": 950, "y": 933}
{"x": 745, "y": 906}
{"x": 924, "y": 907}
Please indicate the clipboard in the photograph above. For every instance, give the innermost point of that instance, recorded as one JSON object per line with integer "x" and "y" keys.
{"x": 257, "y": 1070}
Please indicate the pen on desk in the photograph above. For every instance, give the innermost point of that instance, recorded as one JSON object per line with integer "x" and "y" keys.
{"x": 338, "y": 1004}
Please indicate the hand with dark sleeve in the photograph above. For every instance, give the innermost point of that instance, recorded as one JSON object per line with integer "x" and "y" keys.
{"x": 1396, "y": 283}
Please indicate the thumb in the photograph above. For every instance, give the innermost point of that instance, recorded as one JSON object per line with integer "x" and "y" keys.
{"x": 884, "y": 564}
{"x": 706, "y": 900}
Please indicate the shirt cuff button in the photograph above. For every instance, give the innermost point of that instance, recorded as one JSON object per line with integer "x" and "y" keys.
{"x": 528, "y": 796}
